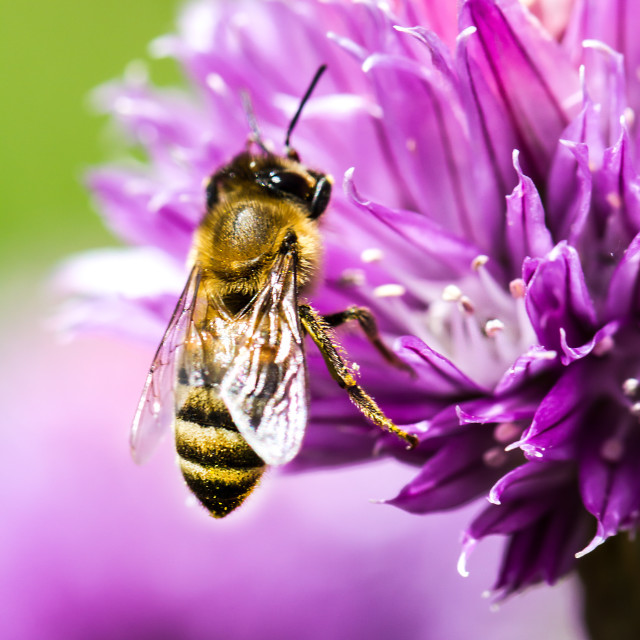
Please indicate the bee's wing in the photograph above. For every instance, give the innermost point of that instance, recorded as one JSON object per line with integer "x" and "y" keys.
{"x": 265, "y": 387}
{"x": 156, "y": 407}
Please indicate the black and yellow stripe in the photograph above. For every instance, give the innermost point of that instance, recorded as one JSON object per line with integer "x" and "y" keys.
{"x": 217, "y": 463}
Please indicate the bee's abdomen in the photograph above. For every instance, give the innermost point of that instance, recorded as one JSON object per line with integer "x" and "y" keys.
{"x": 217, "y": 463}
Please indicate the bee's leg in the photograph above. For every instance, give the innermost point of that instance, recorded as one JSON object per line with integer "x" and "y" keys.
{"x": 369, "y": 326}
{"x": 318, "y": 329}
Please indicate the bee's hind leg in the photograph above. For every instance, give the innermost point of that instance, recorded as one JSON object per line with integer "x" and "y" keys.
{"x": 369, "y": 326}
{"x": 318, "y": 328}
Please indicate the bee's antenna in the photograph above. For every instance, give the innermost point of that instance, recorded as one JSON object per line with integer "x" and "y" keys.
{"x": 253, "y": 123}
{"x": 306, "y": 97}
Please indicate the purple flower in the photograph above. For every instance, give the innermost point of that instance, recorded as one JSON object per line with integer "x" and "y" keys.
{"x": 489, "y": 218}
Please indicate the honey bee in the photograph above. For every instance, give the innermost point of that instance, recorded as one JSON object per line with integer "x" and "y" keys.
{"x": 230, "y": 371}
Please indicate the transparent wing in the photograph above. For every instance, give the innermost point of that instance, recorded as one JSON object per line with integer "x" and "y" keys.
{"x": 264, "y": 387}
{"x": 155, "y": 410}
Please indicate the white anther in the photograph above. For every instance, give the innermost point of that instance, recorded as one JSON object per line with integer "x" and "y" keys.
{"x": 451, "y": 293}
{"x": 629, "y": 117}
{"x": 216, "y": 83}
{"x": 630, "y": 387}
{"x": 517, "y": 288}
{"x": 479, "y": 261}
{"x": 493, "y": 327}
{"x": 372, "y": 255}
{"x": 389, "y": 291}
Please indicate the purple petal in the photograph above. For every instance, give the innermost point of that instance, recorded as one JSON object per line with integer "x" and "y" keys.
{"x": 599, "y": 344}
{"x": 144, "y": 212}
{"x": 617, "y": 195}
{"x": 438, "y": 17}
{"x": 530, "y": 479}
{"x": 519, "y": 78}
{"x": 436, "y": 241}
{"x": 545, "y": 522}
{"x": 557, "y": 298}
{"x": 569, "y": 196}
{"x": 159, "y": 120}
{"x": 545, "y": 551}
{"x": 605, "y": 80}
{"x": 613, "y": 23}
{"x": 441, "y": 377}
{"x": 126, "y": 292}
{"x": 623, "y": 298}
{"x": 427, "y": 137}
{"x": 558, "y": 417}
{"x": 456, "y": 474}
{"x": 508, "y": 518}
{"x": 527, "y": 235}
{"x": 609, "y": 471}
{"x": 527, "y": 368}
{"x": 440, "y": 54}
{"x": 509, "y": 408}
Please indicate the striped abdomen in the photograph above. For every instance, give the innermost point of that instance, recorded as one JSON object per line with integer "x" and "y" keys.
{"x": 218, "y": 465}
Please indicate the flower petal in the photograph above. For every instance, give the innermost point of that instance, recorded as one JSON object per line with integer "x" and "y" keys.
{"x": 427, "y": 137}
{"x": 456, "y": 474}
{"x": 609, "y": 475}
{"x": 569, "y": 197}
{"x": 623, "y": 299}
{"x": 527, "y": 235}
{"x": 558, "y": 417}
{"x": 557, "y": 298}
{"x": 143, "y": 211}
{"x": 521, "y": 78}
{"x": 445, "y": 247}
{"x": 442, "y": 378}
{"x": 613, "y": 23}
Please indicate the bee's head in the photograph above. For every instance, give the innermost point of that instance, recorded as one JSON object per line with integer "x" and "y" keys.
{"x": 271, "y": 176}
{"x": 280, "y": 177}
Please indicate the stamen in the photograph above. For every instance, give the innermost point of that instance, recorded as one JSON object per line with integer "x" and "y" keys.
{"x": 493, "y": 327}
{"x": 466, "y": 305}
{"x": 479, "y": 261}
{"x": 517, "y": 288}
{"x": 629, "y": 116}
{"x": 493, "y": 290}
{"x": 352, "y": 278}
{"x": 612, "y": 450}
{"x": 216, "y": 83}
{"x": 372, "y": 255}
{"x": 495, "y": 457}
{"x": 630, "y": 387}
{"x": 604, "y": 346}
{"x": 389, "y": 291}
{"x": 634, "y": 410}
{"x": 506, "y": 432}
{"x": 614, "y": 200}
{"x": 451, "y": 293}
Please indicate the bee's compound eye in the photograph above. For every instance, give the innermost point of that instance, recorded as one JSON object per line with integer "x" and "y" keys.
{"x": 212, "y": 193}
{"x": 290, "y": 183}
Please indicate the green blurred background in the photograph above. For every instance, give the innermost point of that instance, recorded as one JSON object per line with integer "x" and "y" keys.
{"x": 53, "y": 54}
